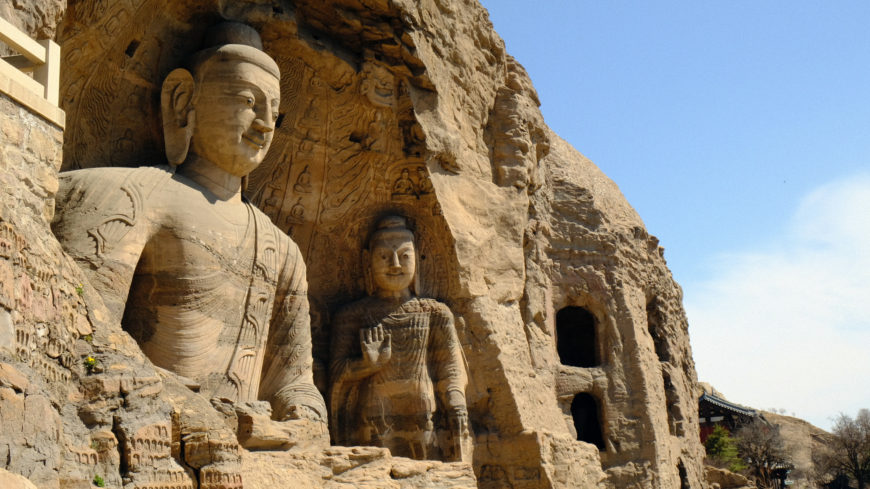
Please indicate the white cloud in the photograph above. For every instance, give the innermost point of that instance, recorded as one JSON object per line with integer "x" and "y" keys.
{"x": 788, "y": 326}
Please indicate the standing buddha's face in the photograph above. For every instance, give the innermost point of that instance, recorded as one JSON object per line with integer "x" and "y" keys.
{"x": 393, "y": 261}
{"x": 235, "y": 115}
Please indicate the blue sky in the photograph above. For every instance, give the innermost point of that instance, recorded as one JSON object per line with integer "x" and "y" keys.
{"x": 740, "y": 131}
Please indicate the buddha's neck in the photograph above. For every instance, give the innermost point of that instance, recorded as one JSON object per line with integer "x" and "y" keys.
{"x": 393, "y": 295}
{"x": 223, "y": 185}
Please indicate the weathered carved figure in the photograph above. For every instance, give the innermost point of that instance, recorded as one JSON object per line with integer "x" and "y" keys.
{"x": 210, "y": 288}
{"x": 403, "y": 185}
{"x": 398, "y": 375}
{"x": 378, "y": 85}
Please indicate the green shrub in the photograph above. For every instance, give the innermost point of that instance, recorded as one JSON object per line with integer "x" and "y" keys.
{"x": 722, "y": 450}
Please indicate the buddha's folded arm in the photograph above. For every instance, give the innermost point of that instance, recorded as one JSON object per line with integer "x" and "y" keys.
{"x": 446, "y": 360}
{"x": 287, "y": 381}
{"x": 103, "y": 222}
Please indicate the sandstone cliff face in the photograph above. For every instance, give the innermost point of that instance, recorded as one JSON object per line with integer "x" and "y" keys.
{"x": 571, "y": 324}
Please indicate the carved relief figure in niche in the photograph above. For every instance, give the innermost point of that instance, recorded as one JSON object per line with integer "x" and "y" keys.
{"x": 424, "y": 186}
{"x": 378, "y": 85}
{"x": 303, "y": 182}
{"x": 398, "y": 375}
{"x": 403, "y": 185}
{"x": 203, "y": 280}
{"x": 297, "y": 212}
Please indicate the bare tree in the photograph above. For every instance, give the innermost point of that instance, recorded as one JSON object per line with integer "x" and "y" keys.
{"x": 848, "y": 454}
{"x": 763, "y": 450}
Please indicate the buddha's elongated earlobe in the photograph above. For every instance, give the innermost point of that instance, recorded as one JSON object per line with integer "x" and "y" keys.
{"x": 415, "y": 284}
{"x": 176, "y": 104}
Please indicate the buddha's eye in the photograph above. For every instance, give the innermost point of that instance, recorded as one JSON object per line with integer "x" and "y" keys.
{"x": 248, "y": 98}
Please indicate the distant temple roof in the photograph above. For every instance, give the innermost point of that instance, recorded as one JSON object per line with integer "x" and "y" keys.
{"x": 714, "y": 411}
{"x": 718, "y": 402}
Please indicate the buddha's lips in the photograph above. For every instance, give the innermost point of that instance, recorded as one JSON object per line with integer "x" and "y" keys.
{"x": 258, "y": 143}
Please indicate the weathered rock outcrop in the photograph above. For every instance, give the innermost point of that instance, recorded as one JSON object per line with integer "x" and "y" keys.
{"x": 580, "y": 371}
{"x": 801, "y": 440}
{"x": 725, "y": 479}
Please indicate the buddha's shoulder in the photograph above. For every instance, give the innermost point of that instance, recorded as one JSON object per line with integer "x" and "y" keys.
{"x": 356, "y": 309}
{"x": 103, "y": 181}
{"x": 108, "y": 191}
{"x": 108, "y": 178}
{"x": 424, "y": 304}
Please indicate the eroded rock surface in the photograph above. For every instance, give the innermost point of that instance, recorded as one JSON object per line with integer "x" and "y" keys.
{"x": 725, "y": 479}
{"x": 579, "y": 367}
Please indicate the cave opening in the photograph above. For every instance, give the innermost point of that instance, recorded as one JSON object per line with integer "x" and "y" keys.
{"x": 684, "y": 477}
{"x": 576, "y": 340}
{"x": 587, "y": 423}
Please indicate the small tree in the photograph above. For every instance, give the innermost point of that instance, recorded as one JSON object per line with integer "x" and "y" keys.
{"x": 762, "y": 448}
{"x": 848, "y": 455}
{"x": 722, "y": 450}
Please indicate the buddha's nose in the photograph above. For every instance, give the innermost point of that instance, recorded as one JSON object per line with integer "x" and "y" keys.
{"x": 261, "y": 126}
{"x": 394, "y": 261}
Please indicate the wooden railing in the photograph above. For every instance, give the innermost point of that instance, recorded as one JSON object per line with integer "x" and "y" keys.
{"x": 32, "y": 77}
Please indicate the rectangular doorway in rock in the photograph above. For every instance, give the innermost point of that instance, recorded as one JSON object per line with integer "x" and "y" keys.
{"x": 576, "y": 338}
{"x": 587, "y": 423}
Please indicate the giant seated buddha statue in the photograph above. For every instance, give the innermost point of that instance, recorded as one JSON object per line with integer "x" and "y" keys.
{"x": 206, "y": 284}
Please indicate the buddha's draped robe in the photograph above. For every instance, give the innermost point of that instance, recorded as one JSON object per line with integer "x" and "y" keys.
{"x": 220, "y": 302}
{"x": 399, "y": 400}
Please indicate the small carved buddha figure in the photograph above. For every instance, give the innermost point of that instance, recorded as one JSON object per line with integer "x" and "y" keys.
{"x": 398, "y": 375}
{"x": 202, "y": 279}
{"x": 424, "y": 185}
{"x": 403, "y": 185}
{"x": 303, "y": 182}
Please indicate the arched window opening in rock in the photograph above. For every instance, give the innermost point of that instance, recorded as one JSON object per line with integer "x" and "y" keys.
{"x": 576, "y": 339}
{"x": 584, "y": 410}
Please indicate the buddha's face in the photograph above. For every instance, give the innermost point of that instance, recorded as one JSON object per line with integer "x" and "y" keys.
{"x": 235, "y": 115}
{"x": 393, "y": 261}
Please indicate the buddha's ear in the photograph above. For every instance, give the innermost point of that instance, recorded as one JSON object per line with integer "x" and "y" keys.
{"x": 367, "y": 272}
{"x": 415, "y": 285}
{"x": 176, "y": 106}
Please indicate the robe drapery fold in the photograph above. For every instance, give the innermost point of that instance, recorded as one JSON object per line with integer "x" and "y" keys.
{"x": 224, "y": 304}
{"x": 425, "y": 366}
